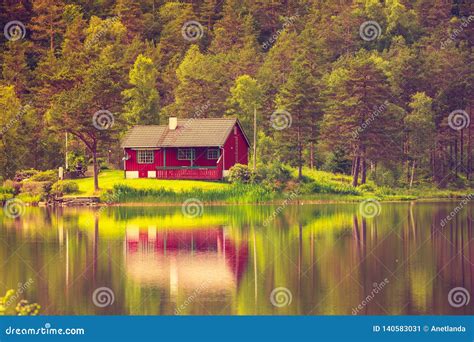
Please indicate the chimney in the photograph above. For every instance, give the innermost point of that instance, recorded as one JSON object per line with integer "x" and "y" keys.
{"x": 173, "y": 123}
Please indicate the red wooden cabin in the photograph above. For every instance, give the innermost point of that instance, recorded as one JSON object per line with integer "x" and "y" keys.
{"x": 185, "y": 149}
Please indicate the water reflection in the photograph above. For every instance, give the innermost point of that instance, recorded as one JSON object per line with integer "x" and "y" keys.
{"x": 331, "y": 260}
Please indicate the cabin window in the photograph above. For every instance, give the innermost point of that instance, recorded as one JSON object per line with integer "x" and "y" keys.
{"x": 146, "y": 157}
{"x": 213, "y": 153}
{"x": 186, "y": 154}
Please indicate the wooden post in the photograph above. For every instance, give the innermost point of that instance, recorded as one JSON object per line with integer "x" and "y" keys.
{"x": 254, "y": 138}
{"x": 67, "y": 165}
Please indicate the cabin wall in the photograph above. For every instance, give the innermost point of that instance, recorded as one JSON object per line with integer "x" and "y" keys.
{"x": 131, "y": 165}
{"x": 201, "y": 158}
{"x": 236, "y": 150}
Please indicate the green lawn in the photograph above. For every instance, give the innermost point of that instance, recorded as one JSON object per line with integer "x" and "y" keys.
{"x": 108, "y": 178}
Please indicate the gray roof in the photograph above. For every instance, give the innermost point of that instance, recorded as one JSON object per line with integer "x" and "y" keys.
{"x": 189, "y": 133}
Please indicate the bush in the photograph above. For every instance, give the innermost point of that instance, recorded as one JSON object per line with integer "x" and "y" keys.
{"x": 7, "y": 188}
{"x": 45, "y": 176}
{"x": 35, "y": 190}
{"x": 240, "y": 173}
{"x": 274, "y": 176}
{"x": 366, "y": 188}
{"x": 25, "y": 174}
{"x": 64, "y": 187}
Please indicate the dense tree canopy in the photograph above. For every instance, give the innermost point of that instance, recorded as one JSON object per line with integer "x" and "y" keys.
{"x": 365, "y": 87}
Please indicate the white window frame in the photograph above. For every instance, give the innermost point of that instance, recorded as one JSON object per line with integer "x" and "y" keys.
{"x": 145, "y": 157}
{"x": 186, "y": 154}
{"x": 213, "y": 150}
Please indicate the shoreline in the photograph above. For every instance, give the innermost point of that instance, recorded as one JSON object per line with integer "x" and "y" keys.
{"x": 267, "y": 203}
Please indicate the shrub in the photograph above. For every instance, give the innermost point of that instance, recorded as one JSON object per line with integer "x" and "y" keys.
{"x": 45, "y": 176}
{"x": 25, "y": 174}
{"x": 274, "y": 176}
{"x": 366, "y": 188}
{"x": 318, "y": 187}
{"x": 34, "y": 191}
{"x": 64, "y": 187}
{"x": 240, "y": 173}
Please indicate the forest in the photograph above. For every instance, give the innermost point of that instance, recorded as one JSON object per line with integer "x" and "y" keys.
{"x": 379, "y": 90}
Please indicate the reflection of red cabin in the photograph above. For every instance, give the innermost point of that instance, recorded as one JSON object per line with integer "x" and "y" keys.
{"x": 196, "y": 256}
{"x": 185, "y": 149}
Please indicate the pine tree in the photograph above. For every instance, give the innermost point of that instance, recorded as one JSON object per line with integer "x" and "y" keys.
{"x": 47, "y": 23}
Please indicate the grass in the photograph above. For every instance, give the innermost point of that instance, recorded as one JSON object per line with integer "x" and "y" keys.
{"x": 318, "y": 186}
{"x": 109, "y": 178}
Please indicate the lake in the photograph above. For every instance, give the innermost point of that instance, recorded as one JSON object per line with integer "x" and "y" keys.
{"x": 311, "y": 259}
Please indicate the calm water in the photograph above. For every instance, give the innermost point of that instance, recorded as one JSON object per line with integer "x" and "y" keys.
{"x": 328, "y": 258}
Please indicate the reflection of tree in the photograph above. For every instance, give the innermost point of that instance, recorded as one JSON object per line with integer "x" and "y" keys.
{"x": 328, "y": 256}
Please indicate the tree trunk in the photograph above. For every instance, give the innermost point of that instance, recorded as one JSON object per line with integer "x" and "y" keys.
{"x": 412, "y": 173}
{"x": 255, "y": 138}
{"x": 300, "y": 156}
{"x": 96, "y": 170}
{"x": 311, "y": 155}
{"x": 364, "y": 171}
{"x": 355, "y": 176}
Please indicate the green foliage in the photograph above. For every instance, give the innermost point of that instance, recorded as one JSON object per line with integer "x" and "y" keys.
{"x": 142, "y": 100}
{"x": 34, "y": 191}
{"x": 64, "y": 187}
{"x": 240, "y": 173}
{"x": 237, "y": 193}
{"x": 274, "y": 176}
{"x": 380, "y": 104}
{"x": 25, "y": 174}
{"x": 45, "y": 176}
